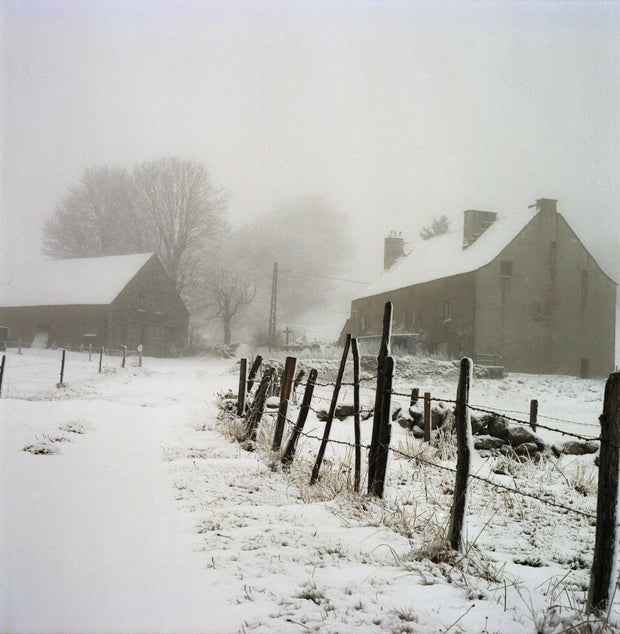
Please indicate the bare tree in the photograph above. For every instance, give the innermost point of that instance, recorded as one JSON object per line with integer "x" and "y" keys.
{"x": 440, "y": 225}
{"x": 182, "y": 212}
{"x": 89, "y": 219}
{"x": 168, "y": 206}
{"x": 228, "y": 293}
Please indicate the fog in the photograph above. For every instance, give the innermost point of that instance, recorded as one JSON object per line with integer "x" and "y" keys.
{"x": 394, "y": 112}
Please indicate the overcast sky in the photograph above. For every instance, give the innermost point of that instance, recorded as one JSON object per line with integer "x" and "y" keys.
{"x": 395, "y": 112}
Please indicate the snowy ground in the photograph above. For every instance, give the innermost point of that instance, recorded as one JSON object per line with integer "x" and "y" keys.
{"x": 134, "y": 511}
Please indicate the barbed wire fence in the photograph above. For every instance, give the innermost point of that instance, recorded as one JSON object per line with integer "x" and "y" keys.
{"x": 380, "y": 447}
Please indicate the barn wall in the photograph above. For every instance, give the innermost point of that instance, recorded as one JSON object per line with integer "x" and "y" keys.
{"x": 149, "y": 312}
{"x": 66, "y": 325}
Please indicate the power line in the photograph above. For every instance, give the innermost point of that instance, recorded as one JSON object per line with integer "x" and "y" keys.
{"x": 325, "y": 277}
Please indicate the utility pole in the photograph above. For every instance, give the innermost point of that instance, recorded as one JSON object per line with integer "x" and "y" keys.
{"x": 271, "y": 335}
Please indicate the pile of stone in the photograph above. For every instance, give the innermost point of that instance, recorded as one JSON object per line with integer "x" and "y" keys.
{"x": 493, "y": 434}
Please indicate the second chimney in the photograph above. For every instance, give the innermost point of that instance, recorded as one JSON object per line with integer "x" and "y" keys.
{"x": 475, "y": 224}
{"x": 393, "y": 249}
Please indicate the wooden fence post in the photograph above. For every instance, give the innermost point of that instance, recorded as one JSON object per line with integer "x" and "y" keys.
{"x": 384, "y": 352}
{"x": 139, "y": 349}
{"x": 253, "y": 370}
{"x": 285, "y": 395}
{"x": 100, "y": 358}
{"x": 603, "y": 577}
{"x": 2, "y": 371}
{"x": 291, "y": 446}
{"x": 298, "y": 379}
{"x": 19, "y": 351}
{"x": 415, "y": 395}
{"x": 62, "y": 367}
{"x": 356, "y": 414}
{"x": 464, "y": 449}
{"x": 243, "y": 368}
{"x": 124, "y": 356}
{"x": 533, "y": 413}
{"x": 427, "y": 417}
{"x": 385, "y": 432}
{"x": 330, "y": 414}
{"x": 90, "y": 352}
{"x": 254, "y": 415}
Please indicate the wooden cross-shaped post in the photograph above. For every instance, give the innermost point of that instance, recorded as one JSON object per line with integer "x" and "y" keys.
{"x": 288, "y": 332}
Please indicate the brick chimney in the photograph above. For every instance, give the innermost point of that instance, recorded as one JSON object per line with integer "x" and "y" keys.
{"x": 547, "y": 205}
{"x": 475, "y": 224}
{"x": 393, "y": 249}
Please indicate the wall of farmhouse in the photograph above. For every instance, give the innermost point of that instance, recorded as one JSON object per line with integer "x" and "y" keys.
{"x": 64, "y": 325}
{"x": 442, "y": 312}
{"x": 149, "y": 312}
{"x": 545, "y": 305}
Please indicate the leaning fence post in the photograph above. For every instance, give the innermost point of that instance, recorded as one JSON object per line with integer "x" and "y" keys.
{"x": 252, "y": 418}
{"x": 385, "y": 432}
{"x": 533, "y": 413}
{"x": 427, "y": 417}
{"x": 356, "y": 414}
{"x": 62, "y": 367}
{"x": 243, "y": 383}
{"x": 2, "y": 371}
{"x": 384, "y": 351}
{"x": 285, "y": 395}
{"x": 100, "y": 358}
{"x": 464, "y": 449}
{"x": 603, "y": 575}
{"x": 330, "y": 414}
{"x": 253, "y": 370}
{"x": 291, "y": 445}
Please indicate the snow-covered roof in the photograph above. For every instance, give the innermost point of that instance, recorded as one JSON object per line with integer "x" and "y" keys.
{"x": 444, "y": 256}
{"x": 80, "y": 281}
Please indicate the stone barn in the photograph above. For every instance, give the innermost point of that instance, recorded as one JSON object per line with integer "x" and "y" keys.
{"x": 516, "y": 290}
{"x": 104, "y": 301}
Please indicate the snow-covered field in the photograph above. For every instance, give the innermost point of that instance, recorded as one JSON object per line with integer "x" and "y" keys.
{"x": 133, "y": 510}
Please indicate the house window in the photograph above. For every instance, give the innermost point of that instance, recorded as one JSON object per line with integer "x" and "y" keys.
{"x": 506, "y": 268}
{"x": 365, "y": 323}
{"x": 140, "y": 305}
{"x": 448, "y": 310}
{"x": 409, "y": 318}
{"x": 540, "y": 309}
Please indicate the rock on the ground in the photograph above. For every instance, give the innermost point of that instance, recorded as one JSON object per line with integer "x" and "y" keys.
{"x": 487, "y": 442}
{"x": 575, "y": 447}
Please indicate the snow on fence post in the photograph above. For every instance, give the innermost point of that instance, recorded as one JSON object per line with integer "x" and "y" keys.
{"x": 243, "y": 386}
{"x": 255, "y": 413}
{"x": 100, "y": 358}
{"x": 332, "y": 411}
{"x": 253, "y": 370}
{"x": 384, "y": 352}
{"x": 356, "y": 414}
{"x": 603, "y": 574}
{"x": 464, "y": 451}
{"x": 427, "y": 417}
{"x": 2, "y": 371}
{"x": 385, "y": 431}
{"x": 124, "y": 356}
{"x": 285, "y": 394}
{"x": 62, "y": 367}
{"x": 533, "y": 413}
{"x": 291, "y": 446}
